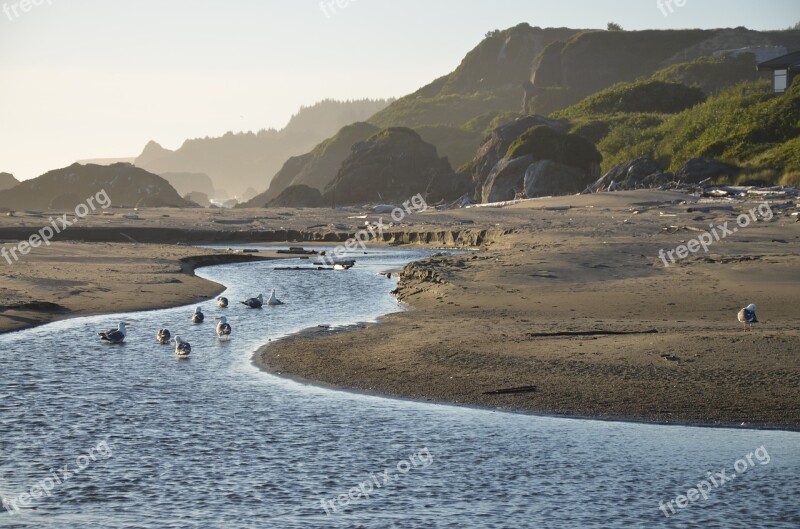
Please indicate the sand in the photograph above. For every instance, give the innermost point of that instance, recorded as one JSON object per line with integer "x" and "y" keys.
{"x": 477, "y": 334}
{"x": 559, "y": 311}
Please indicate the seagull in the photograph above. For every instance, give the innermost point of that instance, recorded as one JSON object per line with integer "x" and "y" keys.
{"x": 747, "y": 316}
{"x": 222, "y": 302}
{"x": 114, "y": 335}
{"x": 273, "y": 300}
{"x": 223, "y": 328}
{"x": 182, "y": 348}
{"x": 254, "y": 303}
{"x": 163, "y": 336}
{"x": 198, "y": 315}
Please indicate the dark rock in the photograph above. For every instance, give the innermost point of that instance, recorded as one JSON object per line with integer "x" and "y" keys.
{"x": 698, "y": 169}
{"x": 546, "y": 178}
{"x": 125, "y": 185}
{"x": 506, "y": 179}
{"x": 495, "y": 147}
{"x": 201, "y": 199}
{"x": 391, "y": 166}
{"x": 631, "y": 174}
{"x": 298, "y": 196}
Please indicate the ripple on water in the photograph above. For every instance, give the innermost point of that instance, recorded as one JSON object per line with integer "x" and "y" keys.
{"x": 213, "y": 442}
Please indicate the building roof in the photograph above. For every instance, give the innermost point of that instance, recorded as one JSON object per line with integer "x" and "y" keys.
{"x": 784, "y": 62}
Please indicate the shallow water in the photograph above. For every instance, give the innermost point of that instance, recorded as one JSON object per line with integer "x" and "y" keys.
{"x": 214, "y": 442}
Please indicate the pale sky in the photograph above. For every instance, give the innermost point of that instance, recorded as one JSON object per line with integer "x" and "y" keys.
{"x": 99, "y": 78}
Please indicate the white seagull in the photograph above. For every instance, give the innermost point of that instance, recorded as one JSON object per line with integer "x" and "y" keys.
{"x": 198, "y": 315}
{"x": 747, "y": 316}
{"x": 163, "y": 336}
{"x": 222, "y": 302}
{"x": 254, "y": 303}
{"x": 115, "y": 335}
{"x": 273, "y": 300}
{"x": 182, "y": 348}
{"x": 223, "y": 328}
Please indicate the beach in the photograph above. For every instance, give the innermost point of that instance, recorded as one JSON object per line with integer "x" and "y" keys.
{"x": 561, "y": 306}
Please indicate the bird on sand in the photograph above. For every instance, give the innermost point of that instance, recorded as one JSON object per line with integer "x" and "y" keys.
{"x": 198, "y": 315}
{"x": 222, "y": 302}
{"x": 273, "y": 299}
{"x": 254, "y": 303}
{"x": 182, "y": 347}
{"x": 163, "y": 336}
{"x": 115, "y": 336}
{"x": 223, "y": 328}
{"x": 747, "y": 316}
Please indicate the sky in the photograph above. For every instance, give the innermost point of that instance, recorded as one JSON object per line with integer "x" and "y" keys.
{"x": 100, "y": 78}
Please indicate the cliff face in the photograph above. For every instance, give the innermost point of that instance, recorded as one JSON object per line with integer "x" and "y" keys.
{"x": 65, "y": 188}
{"x": 391, "y": 166}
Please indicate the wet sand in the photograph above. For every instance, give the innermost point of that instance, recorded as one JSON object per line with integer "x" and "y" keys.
{"x": 574, "y": 314}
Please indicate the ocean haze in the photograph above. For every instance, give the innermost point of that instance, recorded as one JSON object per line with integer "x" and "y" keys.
{"x": 98, "y": 79}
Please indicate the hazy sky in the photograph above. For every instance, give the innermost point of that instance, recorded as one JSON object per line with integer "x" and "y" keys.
{"x": 99, "y": 78}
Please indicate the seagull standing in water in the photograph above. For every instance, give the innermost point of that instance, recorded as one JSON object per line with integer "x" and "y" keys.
{"x": 198, "y": 315}
{"x": 115, "y": 336}
{"x": 182, "y": 348}
{"x": 223, "y": 328}
{"x": 222, "y": 302}
{"x": 163, "y": 336}
{"x": 273, "y": 300}
{"x": 254, "y": 303}
{"x": 747, "y": 316}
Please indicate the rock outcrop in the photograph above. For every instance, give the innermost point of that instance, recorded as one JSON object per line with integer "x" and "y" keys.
{"x": 201, "y": 199}
{"x": 546, "y": 177}
{"x": 185, "y": 183}
{"x": 7, "y": 181}
{"x": 391, "y": 166}
{"x": 316, "y": 168}
{"x": 124, "y": 184}
{"x": 297, "y": 196}
{"x": 632, "y": 174}
{"x": 506, "y": 179}
{"x": 495, "y": 147}
{"x": 698, "y": 169}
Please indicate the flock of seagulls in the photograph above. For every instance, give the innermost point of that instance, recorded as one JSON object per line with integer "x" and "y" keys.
{"x": 183, "y": 348}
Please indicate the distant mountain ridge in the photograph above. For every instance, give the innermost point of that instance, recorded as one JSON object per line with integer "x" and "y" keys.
{"x": 7, "y": 181}
{"x": 238, "y": 161}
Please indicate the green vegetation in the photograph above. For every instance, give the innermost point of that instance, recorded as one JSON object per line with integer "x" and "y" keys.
{"x": 644, "y": 96}
{"x": 712, "y": 74}
{"x": 745, "y": 125}
{"x": 545, "y": 143}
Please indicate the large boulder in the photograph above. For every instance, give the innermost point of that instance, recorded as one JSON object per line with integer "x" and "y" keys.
{"x": 631, "y": 174}
{"x": 506, "y": 179}
{"x": 495, "y": 147}
{"x": 698, "y": 169}
{"x": 299, "y": 196}
{"x": 391, "y": 166}
{"x": 546, "y": 178}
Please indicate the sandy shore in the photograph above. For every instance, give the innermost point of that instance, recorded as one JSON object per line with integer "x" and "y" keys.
{"x": 574, "y": 314}
{"x": 565, "y": 309}
{"x": 78, "y": 279}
